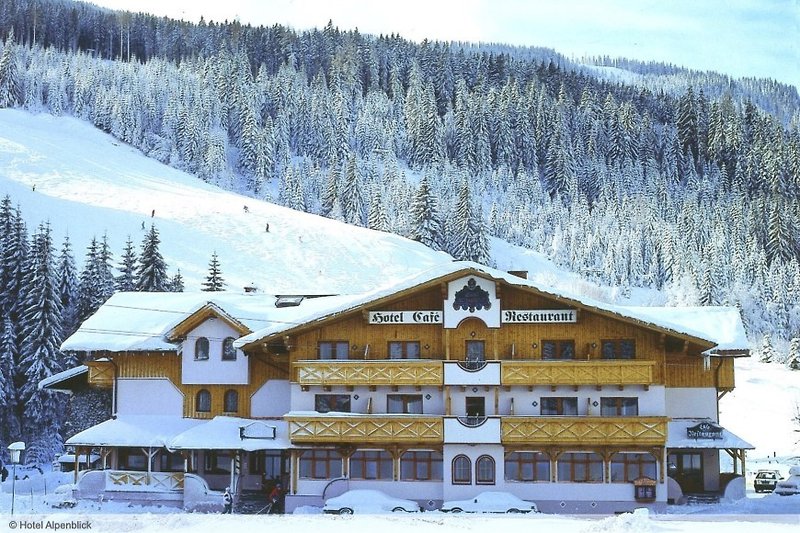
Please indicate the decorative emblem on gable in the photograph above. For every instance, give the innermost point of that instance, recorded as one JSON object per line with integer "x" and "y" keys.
{"x": 471, "y": 297}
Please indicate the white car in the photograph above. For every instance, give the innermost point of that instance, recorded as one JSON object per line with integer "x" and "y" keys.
{"x": 490, "y": 502}
{"x": 368, "y": 501}
{"x": 790, "y": 485}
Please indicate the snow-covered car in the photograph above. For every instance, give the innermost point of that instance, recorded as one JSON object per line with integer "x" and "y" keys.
{"x": 490, "y": 502}
{"x": 766, "y": 480}
{"x": 368, "y": 501}
{"x": 790, "y": 485}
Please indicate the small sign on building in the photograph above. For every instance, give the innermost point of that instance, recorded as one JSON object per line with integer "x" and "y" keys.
{"x": 704, "y": 430}
{"x": 644, "y": 489}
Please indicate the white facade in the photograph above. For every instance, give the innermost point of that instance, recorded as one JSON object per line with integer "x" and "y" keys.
{"x": 213, "y": 370}
{"x": 691, "y": 403}
{"x": 158, "y": 396}
{"x": 490, "y": 316}
{"x": 272, "y": 399}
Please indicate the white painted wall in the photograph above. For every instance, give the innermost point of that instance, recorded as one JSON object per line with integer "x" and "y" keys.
{"x": 148, "y": 397}
{"x": 212, "y": 371}
{"x": 490, "y": 317}
{"x": 692, "y": 403}
{"x": 460, "y": 492}
{"x": 486, "y": 433}
{"x": 272, "y": 399}
{"x": 455, "y": 375}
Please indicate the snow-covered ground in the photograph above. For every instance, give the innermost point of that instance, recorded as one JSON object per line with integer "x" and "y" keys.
{"x": 87, "y": 183}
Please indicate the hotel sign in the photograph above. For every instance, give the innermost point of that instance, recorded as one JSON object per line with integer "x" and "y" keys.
{"x": 406, "y": 317}
{"x": 704, "y": 430}
{"x": 539, "y": 316}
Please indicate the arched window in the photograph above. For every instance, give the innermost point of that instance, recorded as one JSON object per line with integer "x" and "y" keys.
{"x": 231, "y": 401}
{"x": 527, "y": 466}
{"x": 201, "y": 349}
{"x": 228, "y": 351}
{"x": 202, "y": 402}
{"x": 484, "y": 470}
{"x": 462, "y": 470}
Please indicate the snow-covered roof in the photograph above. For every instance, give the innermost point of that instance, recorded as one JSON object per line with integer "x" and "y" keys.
{"x": 134, "y": 430}
{"x": 139, "y": 321}
{"x": 56, "y": 379}
{"x": 678, "y": 437}
{"x": 719, "y": 325}
{"x": 178, "y": 433}
{"x": 231, "y": 433}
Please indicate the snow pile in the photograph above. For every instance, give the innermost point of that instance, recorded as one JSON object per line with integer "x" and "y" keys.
{"x": 636, "y": 522}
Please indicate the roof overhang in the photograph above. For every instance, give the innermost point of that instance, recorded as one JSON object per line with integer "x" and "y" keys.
{"x": 681, "y": 434}
{"x": 205, "y": 312}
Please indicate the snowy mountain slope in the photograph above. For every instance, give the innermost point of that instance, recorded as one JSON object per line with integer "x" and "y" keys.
{"x": 87, "y": 183}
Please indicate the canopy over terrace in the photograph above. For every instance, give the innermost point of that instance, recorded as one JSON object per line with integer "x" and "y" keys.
{"x": 232, "y": 433}
{"x": 705, "y": 434}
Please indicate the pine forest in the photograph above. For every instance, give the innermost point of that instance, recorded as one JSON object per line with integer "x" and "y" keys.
{"x": 633, "y": 174}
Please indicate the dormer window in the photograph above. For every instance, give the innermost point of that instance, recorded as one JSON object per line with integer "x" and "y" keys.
{"x": 201, "y": 349}
{"x": 228, "y": 351}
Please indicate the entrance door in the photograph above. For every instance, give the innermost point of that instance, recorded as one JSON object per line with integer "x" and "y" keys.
{"x": 687, "y": 469}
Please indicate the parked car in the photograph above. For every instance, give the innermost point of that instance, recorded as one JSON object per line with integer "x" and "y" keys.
{"x": 766, "y": 480}
{"x": 490, "y": 502}
{"x": 368, "y": 501}
{"x": 790, "y": 485}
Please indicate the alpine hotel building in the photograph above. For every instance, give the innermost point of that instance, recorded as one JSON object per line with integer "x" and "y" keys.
{"x": 460, "y": 380}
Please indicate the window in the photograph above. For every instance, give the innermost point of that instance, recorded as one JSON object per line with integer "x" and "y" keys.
{"x": 484, "y": 470}
{"x": 228, "y": 351}
{"x": 404, "y": 350}
{"x": 217, "y": 462}
{"x": 476, "y": 351}
{"x": 618, "y": 349}
{"x": 527, "y": 466}
{"x": 325, "y": 403}
{"x": 371, "y": 464}
{"x": 231, "y": 401}
{"x": 334, "y": 350}
{"x": 267, "y": 462}
{"x": 170, "y": 462}
{"x": 475, "y": 405}
{"x": 201, "y": 349}
{"x": 462, "y": 470}
{"x": 625, "y": 467}
{"x": 320, "y": 464}
{"x": 559, "y": 406}
{"x": 202, "y": 401}
{"x": 619, "y": 406}
{"x": 410, "y": 404}
{"x": 132, "y": 459}
{"x": 421, "y": 466}
{"x": 581, "y": 467}
{"x": 552, "y": 350}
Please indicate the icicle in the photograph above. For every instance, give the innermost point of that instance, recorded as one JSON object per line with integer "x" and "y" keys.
{"x": 706, "y": 362}
{"x": 512, "y": 405}
{"x": 513, "y": 350}
{"x": 366, "y": 351}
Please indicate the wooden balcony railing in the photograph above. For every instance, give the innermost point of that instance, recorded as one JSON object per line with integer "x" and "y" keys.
{"x": 366, "y": 428}
{"x": 616, "y": 372}
{"x": 584, "y": 430}
{"x": 382, "y": 372}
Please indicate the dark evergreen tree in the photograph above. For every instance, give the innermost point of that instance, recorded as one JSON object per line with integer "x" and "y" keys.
{"x": 41, "y": 356}
{"x": 126, "y": 281}
{"x": 96, "y": 281}
{"x": 67, "y": 278}
{"x": 10, "y": 85}
{"x": 10, "y": 426}
{"x": 151, "y": 274}
{"x": 214, "y": 281}
{"x": 425, "y": 224}
{"x": 176, "y": 282}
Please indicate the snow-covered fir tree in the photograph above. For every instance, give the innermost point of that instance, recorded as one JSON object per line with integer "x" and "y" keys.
{"x": 10, "y": 83}
{"x": 425, "y": 223}
{"x": 151, "y": 272}
{"x": 10, "y": 420}
{"x": 41, "y": 356}
{"x": 68, "y": 286}
{"x": 126, "y": 280}
{"x": 793, "y": 359}
{"x": 214, "y": 281}
{"x": 176, "y": 282}
{"x": 767, "y": 351}
{"x": 96, "y": 280}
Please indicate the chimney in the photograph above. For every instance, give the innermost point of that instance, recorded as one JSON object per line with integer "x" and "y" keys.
{"x": 519, "y": 273}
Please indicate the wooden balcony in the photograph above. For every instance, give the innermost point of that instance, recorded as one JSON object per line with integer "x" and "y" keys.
{"x": 366, "y": 429}
{"x": 584, "y": 430}
{"x": 598, "y": 373}
{"x": 381, "y": 372}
